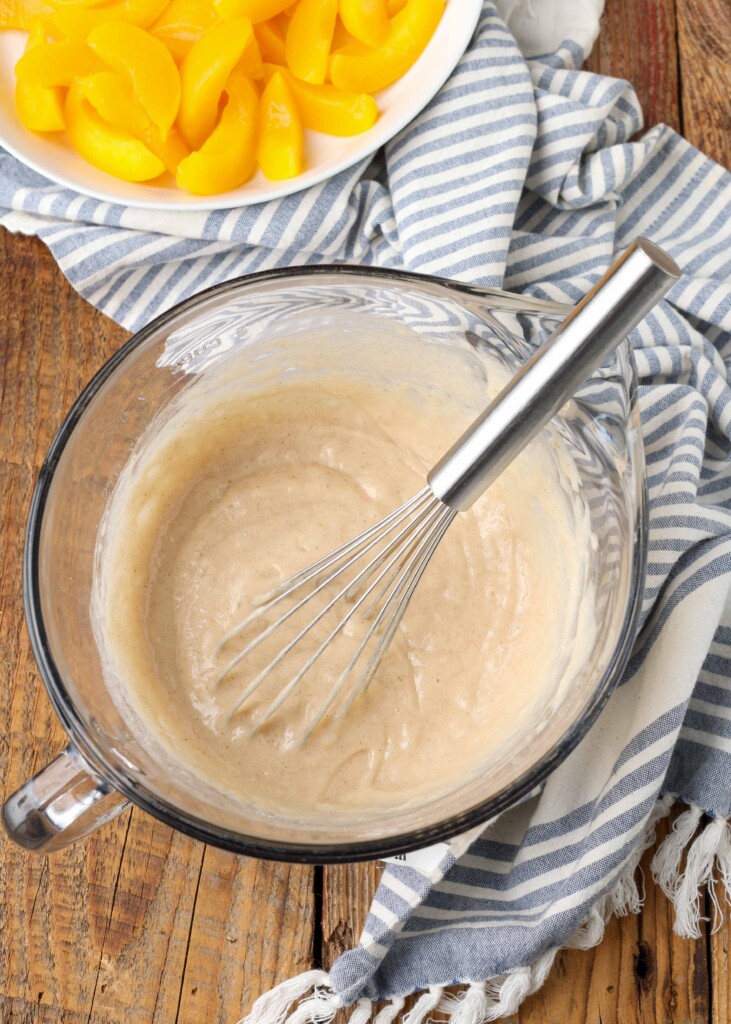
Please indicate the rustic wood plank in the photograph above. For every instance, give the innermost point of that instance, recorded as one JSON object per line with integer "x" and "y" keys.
{"x": 19, "y": 1011}
{"x": 347, "y": 892}
{"x": 139, "y": 924}
{"x": 637, "y": 42}
{"x": 704, "y": 39}
{"x": 74, "y": 925}
{"x": 254, "y": 927}
{"x": 39, "y": 340}
{"x": 720, "y": 956}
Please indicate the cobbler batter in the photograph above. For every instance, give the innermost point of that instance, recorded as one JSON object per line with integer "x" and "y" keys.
{"x": 245, "y": 483}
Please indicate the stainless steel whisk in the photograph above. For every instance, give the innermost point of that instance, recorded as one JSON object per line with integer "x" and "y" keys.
{"x": 375, "y": 574}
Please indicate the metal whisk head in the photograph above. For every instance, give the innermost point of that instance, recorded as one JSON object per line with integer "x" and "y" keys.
{"x": 375, "y": 576}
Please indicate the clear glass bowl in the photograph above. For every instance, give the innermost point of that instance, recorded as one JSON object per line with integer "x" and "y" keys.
{"x": 105, "y": 765}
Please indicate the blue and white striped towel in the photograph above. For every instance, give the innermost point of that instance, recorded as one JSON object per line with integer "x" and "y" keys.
{"x": 520, "y": 173}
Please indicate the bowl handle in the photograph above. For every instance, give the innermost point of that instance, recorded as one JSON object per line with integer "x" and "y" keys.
{"x": 64, "y": 802}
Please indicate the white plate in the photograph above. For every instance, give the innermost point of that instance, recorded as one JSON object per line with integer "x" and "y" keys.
{"x": 325, "y": 155}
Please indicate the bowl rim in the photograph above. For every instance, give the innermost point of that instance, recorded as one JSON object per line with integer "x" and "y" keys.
{"x": 406, "y": 110}
{"x": 280, "y": 850}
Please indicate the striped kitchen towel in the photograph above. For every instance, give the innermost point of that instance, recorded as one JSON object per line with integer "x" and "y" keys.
{"x": 520, "y": 173}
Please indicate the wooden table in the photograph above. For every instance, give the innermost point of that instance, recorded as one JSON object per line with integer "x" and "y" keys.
{"x": 140, "y": 924}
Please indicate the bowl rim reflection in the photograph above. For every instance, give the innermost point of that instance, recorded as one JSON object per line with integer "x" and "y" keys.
{"x": 281, "y": 850}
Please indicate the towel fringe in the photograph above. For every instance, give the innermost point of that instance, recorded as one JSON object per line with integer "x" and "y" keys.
{"x": 424, "y": 1005}
{"x": 628, "y": 893}
{"x": 390, "y": 1011}
{"x": 273, "y": 1006}
{"x": 318, "y": 1009}
{"x": 468, "y": 1007}
{"x": 703, "y": 852}
{"x": 508, "y": 994}
{"x": 666, "y": 862}
{"x": 362, "y": 1013}
{"x": 484, "y": 1001}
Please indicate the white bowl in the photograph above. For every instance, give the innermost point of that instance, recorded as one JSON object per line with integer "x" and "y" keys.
{"x": 325, "y": 155}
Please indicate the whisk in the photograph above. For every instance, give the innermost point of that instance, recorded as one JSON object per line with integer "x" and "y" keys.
{"x": 371, "y": 579}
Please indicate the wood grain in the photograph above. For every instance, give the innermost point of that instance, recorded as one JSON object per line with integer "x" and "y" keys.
{"x": 637, "y": 42}
{"x": 143, "y": 925}
{"x": 347, "y": 892}
{"x": 704, "y": 39}
{"x": 139, "y": 924}
{"x": 720, "y": 974}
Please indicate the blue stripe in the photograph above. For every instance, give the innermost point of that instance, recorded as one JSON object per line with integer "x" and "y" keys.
{"x": 439, "y": 187}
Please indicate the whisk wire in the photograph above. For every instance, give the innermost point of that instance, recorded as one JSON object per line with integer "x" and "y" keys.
{"x": 421, "y": 556}
{"x": 286, "y": 589}
{"x": 408, "y": 539}
{"x": 393, "y": 570}
{"x": 296, "y": 582}
{"x": 381, "y": 529}
{"x": 403, "y": 603}
{"x": 257, "y": 681}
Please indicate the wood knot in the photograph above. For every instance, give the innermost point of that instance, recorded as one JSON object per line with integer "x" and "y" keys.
{"x": 341, "y": 937}
{"x": 644, "y": 966}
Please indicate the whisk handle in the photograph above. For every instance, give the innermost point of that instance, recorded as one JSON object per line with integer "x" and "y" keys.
{"x": 588, "y": 335}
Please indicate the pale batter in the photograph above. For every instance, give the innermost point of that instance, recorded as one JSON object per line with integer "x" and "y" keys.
{"x": 261, "y": 472}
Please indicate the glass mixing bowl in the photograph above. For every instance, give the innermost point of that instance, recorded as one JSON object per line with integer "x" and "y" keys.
{"x": 105, "y": 765}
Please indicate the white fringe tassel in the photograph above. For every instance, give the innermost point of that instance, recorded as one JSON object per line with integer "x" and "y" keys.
{"x": 390, "y": 1011}
{"x": 709, "y": 849}
{"x": 666, "y": 862}
{"x": 273, "y": 1007}
{"x": 484, "y": 1001}
{"x": 362, "y": 1013}
{"x": 424, "y": 1005}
